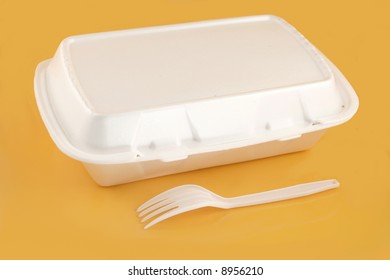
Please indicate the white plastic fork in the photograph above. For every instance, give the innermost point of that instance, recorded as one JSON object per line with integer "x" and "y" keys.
{"x": 190, "y": 197}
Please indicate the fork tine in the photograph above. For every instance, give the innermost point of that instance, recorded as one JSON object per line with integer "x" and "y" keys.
{"x": 183, "y": 197}
{"x": 155, "y": 206}
{"x": 172, "y": 213}
{"x": 159, "y": 197}
{"x": 165, "y": 208}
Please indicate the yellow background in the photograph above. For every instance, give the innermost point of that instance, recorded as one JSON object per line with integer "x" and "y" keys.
{"x": 51, "y": 209}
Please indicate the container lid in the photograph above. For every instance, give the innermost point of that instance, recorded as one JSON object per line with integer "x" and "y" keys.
{"x": 171, "y": 91}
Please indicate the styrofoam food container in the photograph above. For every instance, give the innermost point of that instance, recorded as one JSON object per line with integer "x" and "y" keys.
{"x": 147, "y": 102}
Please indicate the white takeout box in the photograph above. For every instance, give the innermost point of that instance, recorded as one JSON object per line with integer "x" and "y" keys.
{"x": 147, "y": 102}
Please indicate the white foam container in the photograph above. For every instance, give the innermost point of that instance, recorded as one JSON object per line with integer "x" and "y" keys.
{"x": 153, "y": 101}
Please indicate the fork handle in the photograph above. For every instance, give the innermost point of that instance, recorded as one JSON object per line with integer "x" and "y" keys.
{"x": 282, "y": 194}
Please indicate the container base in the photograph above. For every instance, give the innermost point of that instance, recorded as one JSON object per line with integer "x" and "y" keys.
{"x": 113, "y": 174}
